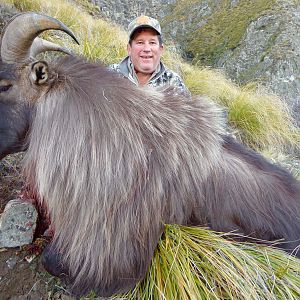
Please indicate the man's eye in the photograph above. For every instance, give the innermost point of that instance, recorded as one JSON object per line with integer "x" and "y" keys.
{"x": 5, "y": 88}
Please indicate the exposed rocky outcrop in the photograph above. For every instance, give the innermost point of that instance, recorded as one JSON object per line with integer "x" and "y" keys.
{"x": 122, "y": 12}
{"x": 269, "y": 52}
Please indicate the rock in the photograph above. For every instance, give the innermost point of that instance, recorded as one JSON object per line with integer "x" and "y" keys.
{"x": 11, "y": 262}
{"x": 17, "y": 224}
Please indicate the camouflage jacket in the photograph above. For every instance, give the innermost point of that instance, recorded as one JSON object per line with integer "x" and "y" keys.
{"x": 161, "y": 77}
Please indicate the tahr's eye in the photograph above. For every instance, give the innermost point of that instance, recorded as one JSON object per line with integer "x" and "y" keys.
{"x": 5, "y": 88}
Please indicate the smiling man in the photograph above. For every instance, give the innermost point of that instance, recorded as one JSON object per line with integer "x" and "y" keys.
{"x": 143, "y": 66}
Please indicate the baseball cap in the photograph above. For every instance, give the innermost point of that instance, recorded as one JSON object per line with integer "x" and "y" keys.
{"x": 143, "y": 21}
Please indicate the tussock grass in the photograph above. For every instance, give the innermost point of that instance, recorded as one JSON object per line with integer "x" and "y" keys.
{"x": 261, "y": 120}
{"x": 194, "y": 263}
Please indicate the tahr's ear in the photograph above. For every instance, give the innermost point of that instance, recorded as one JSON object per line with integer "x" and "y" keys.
{"x": 39, "y": 72}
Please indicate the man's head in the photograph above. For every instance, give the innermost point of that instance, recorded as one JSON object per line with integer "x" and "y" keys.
{"x": 145, "y": 44}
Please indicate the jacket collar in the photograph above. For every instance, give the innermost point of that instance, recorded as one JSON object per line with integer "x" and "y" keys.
{"x": 127, "y": 69}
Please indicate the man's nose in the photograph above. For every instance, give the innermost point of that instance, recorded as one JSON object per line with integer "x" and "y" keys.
{"x": 147, "y": 47}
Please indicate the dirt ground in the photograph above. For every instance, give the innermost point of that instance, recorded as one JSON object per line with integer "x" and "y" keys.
{"x": 22, "y": 275}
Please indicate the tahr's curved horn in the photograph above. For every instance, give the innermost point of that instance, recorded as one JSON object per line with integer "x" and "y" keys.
{"x": 40, "y": 45}
{"x": 22, "y": 30}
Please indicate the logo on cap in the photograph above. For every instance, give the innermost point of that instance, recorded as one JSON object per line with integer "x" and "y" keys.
{"x": 143, "y": 21}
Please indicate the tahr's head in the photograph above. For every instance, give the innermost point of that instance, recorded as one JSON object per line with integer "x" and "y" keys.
{"x": 23, "y": 79}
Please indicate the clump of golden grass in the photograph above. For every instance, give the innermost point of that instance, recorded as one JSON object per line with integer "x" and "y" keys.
{"x": 261, "y": 120}
{"x": 195, "y": 263}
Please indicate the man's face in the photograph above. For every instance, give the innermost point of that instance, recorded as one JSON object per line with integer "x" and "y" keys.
{"x": 145, "y": 51}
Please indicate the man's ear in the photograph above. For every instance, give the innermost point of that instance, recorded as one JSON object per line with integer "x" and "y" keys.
{"x": 128, "y": 49}
{"x": 39, "y": 72}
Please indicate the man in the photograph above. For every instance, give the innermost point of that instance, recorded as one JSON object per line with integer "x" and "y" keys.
{"x": 143, "y": 66}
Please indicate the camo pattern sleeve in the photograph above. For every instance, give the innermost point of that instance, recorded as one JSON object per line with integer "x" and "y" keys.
{"x": 171, "y": 78}
{"x": 114, "y": 67}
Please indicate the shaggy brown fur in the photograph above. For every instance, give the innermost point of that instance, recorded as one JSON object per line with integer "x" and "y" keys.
{"x": 114, "y": 162}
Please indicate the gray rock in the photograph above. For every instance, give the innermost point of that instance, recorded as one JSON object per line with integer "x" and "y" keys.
{"x": 11, "y": 262}
{"x": 17, "y": 224}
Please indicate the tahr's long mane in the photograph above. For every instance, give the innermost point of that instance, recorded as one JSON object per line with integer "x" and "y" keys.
{"x": 99, "y": 145}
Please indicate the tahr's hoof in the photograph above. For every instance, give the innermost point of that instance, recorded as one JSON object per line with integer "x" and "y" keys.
{"x": 52, "y": 262}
